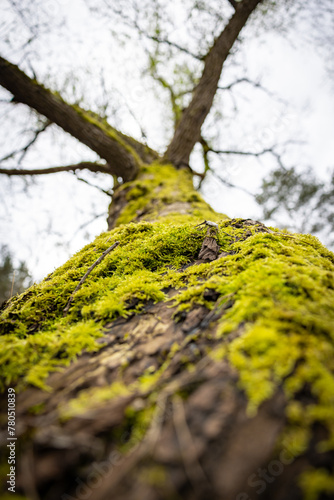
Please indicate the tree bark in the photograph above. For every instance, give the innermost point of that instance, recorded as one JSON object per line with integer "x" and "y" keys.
{"x": 213, "y": 374}
{"x": 188, "y": 129}
{"x": 161, "y": 411}
{"x": 201, "y": 446}
{"x": 194, "y": 361}
{"x": 122, "y": 154}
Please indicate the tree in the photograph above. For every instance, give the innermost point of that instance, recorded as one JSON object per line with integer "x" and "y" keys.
{"x": 198, "y": 350}
{"x": 13, "y": 279}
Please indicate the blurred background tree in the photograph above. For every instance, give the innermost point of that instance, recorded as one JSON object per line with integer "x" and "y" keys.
{"x": 13, "y": 278}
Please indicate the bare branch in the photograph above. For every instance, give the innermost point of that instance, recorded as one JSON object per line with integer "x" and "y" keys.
{"x": 108, "y": 193}
{"x": 254, "y": 84}
{"x": 255, "y": 154}
{"x": 172, "y": 95}
{"x": 133, "y": 24}
{"x": 93, "y": 167}
{"x": 25, "y": 149}
{"x": 173, "y": 44}
{"x": 230, "y": 184}
{"x": 87, "y": 223}
{"x": 207, "y": 168}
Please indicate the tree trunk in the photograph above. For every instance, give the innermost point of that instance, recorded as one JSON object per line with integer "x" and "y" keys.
{"x": 182, "y": 354}
{"x": 205, "y": 359}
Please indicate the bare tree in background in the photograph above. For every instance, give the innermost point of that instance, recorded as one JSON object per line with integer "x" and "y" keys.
{"x": 13, "y": 279}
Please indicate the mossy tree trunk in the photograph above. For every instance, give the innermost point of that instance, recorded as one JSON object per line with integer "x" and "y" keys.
{"x": 195, "y": 361}
{"x": 196, "y": 377}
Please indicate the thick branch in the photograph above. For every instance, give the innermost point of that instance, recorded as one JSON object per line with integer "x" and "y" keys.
{"x": 93, "y": 167}
{"x": 188, "y": 130}
{"x": 115, "y": 148}
{"x": 234, "y": 4}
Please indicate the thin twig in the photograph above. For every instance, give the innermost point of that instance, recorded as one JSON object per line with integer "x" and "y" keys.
{"x": 230, "y": 184}
{"x": 87, "y": 223}
{"x": 132, "y": 23}
{"x": 32, "y": 141}
{"x": 83, "y": 279}
{"x": 256, "y": 85}
{"x": 93, "y": 167}
{"x": 109, "y": 193}
{"x": 256, "y": 154}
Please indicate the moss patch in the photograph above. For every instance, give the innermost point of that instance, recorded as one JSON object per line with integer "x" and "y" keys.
{"x": 275, "y": 292}
{"x": 103, "y": 125}
{"x": 162, "y": 190}
{"x": 316, "y": 482}
{"x": 36, "y": 338}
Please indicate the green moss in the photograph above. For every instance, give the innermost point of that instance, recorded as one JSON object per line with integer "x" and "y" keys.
{"x": 92, "y": 398}
{"x": 316, "y": 482}
{"x": 104, "y": 126}
{"x": 36, "y": 338}
{"x": 37, "y": 409}
{"x": 13, "y": 496}
{"x": 159, "y": 186}
{"x": 34, "y": 356}
{"x": 136, "y": 424}
{"x": 145, "y": 385}
{"x": 154, "y": 475}
{"x": 275, "y": 294}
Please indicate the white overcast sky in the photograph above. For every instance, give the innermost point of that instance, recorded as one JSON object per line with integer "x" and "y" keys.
{"x": 40, "y": 223}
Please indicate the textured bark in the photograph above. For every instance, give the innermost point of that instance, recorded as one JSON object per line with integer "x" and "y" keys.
{"x": 188, "y": 130}
{"x": 210, "y": 248}
{"x": 197, "y": 439}
{"x": 205, "y": 443}
{"x": 114, "y": 147}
